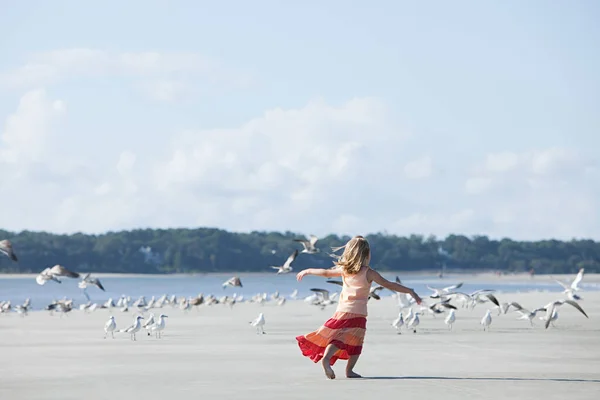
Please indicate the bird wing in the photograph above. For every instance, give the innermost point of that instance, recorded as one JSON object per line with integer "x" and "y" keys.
{"x": 457, "y": 286}
{"x": 398, "y": 281}
{"x": 313, "y": 240}
{"x": 6, "y": 249}
{"x": 549, "y": 312}
{"x": 459, "y": 294}
{"x": 340, "y": 283}
{"x": 493, "y": 299}
{"x": 564, "y": 285}
{"x": 59, "y": 270}
{"x": 577, "y": 306}
{"x": 322, "y": 292}
{"x": 303, "y": 241}
{"x": 577, "y": 279}
{"x": 290, "y": 259}
{"x": 97, "y": 282}
{"x": 518, "y": 307}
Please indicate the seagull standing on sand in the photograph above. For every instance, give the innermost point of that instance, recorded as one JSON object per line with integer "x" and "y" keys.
{"x": 414, "y": 322}
{"x": 450, "y": 319}
{"x": 159, "y": 326}
{"x": 398, "y": 322}
{"x": 309, "y": 245}
{"x": 259, "y": 323}
{"x": 148, "y": 324}
{"x": 133, "y": 329}
{"x": 110, "y": 326}
{"x": 287, "y": 266}
{"x": 7, "y": 250}
{"x": 486, "y": 321}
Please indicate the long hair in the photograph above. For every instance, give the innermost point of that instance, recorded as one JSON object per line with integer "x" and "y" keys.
{"x": 356, "y": 253}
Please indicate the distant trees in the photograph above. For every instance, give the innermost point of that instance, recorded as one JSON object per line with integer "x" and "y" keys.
{"x": 212, "y": 250}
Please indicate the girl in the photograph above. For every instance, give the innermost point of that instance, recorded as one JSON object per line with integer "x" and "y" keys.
{"x": 342, "y": 336}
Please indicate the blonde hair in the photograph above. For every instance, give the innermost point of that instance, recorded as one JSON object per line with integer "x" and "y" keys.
{"x": 356, "y": 253}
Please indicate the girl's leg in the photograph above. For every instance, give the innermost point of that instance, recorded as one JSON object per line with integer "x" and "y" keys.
{"x": 329, "y": 352}
{"x": 350, "y": 367}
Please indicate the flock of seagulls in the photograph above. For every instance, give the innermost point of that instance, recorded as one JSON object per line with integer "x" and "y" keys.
{"x": 448, "y": 300}
{"x": 469, "y": 300}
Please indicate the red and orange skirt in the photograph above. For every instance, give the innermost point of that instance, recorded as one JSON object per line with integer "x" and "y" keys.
{"x": 345, "y": 331}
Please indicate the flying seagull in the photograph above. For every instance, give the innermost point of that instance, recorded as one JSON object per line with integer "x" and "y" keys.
{"x": 309, "y": 245}
{"x": 525, "y": 313}
{"x": 287, "y": 266}
{"x": 551, "y": 309}
{"x": 234, "y": 281}
{"x": 7, "y": 250}
{"x": 573, "y": 287}
{"x": 437, "y": 293}
{"x": 88, "y": 280}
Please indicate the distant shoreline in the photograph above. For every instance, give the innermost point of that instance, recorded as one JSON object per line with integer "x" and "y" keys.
{"x": 448, "y": 277}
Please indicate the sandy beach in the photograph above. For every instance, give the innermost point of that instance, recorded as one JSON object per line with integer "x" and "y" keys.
{"x": 214, "y": 352}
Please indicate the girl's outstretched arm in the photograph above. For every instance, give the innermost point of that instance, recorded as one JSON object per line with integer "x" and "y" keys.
{"x": 327, "y": 273}
{"x": 376, "y": 277}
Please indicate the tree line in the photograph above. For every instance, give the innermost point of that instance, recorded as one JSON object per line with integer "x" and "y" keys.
{"x": 216, "y": 250}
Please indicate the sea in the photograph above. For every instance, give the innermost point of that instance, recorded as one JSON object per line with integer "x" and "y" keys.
{"x": 17, "y": 289}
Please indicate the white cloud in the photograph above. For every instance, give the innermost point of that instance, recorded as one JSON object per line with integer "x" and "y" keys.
{"x": 317, "y": 169}
{"x": 163, "y": 74}
{"x": 420, "y": 168}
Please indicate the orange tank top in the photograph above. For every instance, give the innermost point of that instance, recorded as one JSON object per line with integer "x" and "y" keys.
{"x": 355, "y": 292}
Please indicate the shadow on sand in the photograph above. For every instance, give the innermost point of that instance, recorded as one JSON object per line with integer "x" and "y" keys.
{"x": 442, "y": 378}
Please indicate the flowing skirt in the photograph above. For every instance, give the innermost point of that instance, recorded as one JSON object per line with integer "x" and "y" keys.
{"x": 345, "y": 331}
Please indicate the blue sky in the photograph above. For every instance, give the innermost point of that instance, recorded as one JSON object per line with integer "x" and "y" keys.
{"x": 319, "y": 117}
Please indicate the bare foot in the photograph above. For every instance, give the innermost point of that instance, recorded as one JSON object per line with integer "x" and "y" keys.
{"x": 352, "y": 374}
{"x": 328, "y": 370}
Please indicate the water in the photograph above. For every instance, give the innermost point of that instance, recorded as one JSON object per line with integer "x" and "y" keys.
{"x": 18, "y": 289}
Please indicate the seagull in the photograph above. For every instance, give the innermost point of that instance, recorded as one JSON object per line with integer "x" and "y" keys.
{"x": 259, "y": 323}
{"x": 525, "y": 313}
{"x": 88, "y": 280}
{"x": 504, "y": 307}
{"x": 294, "y": 294}
{"x": 373, "y": 292}
{"x": 133, "y": 329}
{"x": 309, "y": 245}
{"x": 414, "y": 322}
{"x": 325, "y": 299}
{"x": 398, "y": 322}
{"x": 551, "y": 310}
{"x": 110, "y": 326}
{"x": 441, "y": 292}
{"x": 159, "y": 326}
{"x": 7, "y": 250}
{"x": 450, "y": 319}
{"x": 570, "y": 290}
{"x": 486, "y": 321}
{"x": 439, "y": 307}
{"x": 148, "y": 324}
{"x": 234, "y": 281}
{"x": 52, "y": 274}
{"x": 287, "y": 266}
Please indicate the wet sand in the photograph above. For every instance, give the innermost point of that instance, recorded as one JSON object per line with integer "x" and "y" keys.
{"x": 214, "y": 352}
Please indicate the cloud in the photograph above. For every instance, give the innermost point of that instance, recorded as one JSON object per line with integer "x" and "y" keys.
{"x": 420, "y": 168}
{"x": 162, "y": 74}
{"x": 320, "y": 168}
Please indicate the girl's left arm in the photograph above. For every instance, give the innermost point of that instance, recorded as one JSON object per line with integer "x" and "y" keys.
{"x": 327, "y": 273}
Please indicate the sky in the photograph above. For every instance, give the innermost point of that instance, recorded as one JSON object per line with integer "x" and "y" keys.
{"x": 318, "y": 117}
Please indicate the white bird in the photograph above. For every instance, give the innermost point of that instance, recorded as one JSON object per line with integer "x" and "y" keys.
{"x": 409, "y": 315}
{"x": 398, "y": 322}
{"x": 574, "y": 286}
{"x": 309, "y": 245}
{"x": 7, "y": 250}
{"x": 148, "y": 324}
{"x": 325, "y": 299}
{"x": 441, "y": 292}
{"x": 110, "y": 326}
{"x": 52, "y": 274}
{"x": 259, "y": 323}
{"x": 133, "y": 329}
{"x": 486, "y": 321}
{"x": 525, "y": 313}
{"x": 414, "y": 322}
{"x": 287, "y": 266}
{"x": 450, "y": 319}
{"x": 294, "y": 294}
{"x": 159, "y": 326}
{"x": 233, "y": 282}
{"x": 551, "y": 309}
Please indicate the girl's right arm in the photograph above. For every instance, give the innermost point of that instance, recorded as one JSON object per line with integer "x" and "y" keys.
{"x": 375, "y": 276}
{"x": 327, "y": 273}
